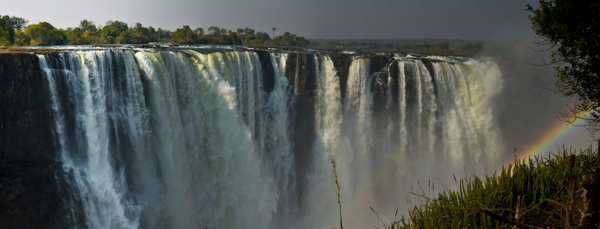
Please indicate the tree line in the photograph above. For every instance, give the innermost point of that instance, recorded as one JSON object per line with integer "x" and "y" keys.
{"x": 16, "y": 31}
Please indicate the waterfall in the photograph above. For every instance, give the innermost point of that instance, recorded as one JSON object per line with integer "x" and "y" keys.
{"x": 190, "y": 138}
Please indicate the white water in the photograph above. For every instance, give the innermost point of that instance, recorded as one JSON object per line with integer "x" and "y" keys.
{"x": 190, "y": 140}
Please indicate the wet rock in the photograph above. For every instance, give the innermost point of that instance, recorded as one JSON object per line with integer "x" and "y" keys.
{"x": 268, "y": 72}
{"x": 342, "y": 65}
{"x": 301, "y": 75}
{"x": 28, "y": 166}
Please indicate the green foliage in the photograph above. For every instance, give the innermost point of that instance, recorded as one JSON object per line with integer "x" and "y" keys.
{"x": 87, "y": 26}
{"x": 21, "y": 39}
{"x": 538, "y": 189}
{"x": 17, "y": 23}
{"x": 7, "y": 33}
{"x": 163, "y": 35}
{"x": 44, "y": 33}
{"x": 246, "y": 36}
{"x": 301, "y": 41}
{"x": 74, "y": 36}
{"x": 249, "y": 38}
{"x": 262, "y": 37}
{"x": 468, "y": 47}
{"x": 119, "y": 32}
{"x": 570, "y": 29}
{"x": 216, "y": 31}
{"x": 131, "y": 37}
{"x": 287, "y": 39}
{"x": 444, "y": 46}
{"x": 86, "y": 33}
{"x": 185, "y": 35}
{"x": 199, "y": 31}
{"x": 114, "y": 28}
{"x": 110, "y": 40}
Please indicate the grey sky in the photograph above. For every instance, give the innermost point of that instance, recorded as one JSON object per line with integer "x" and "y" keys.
{"x": 490, "y": 20}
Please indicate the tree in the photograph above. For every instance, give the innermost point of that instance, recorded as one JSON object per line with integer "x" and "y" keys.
{"x": 131, "y": 37}
{"x": 225, "y": 40}
{"x": 274, "y": 31}
{"x": 288, "y": 39}
{"x": 18, "y": 23}
{"x": 74, "y": 36}
{"x": 142, "y": 34}
{"x": 87, "y": 26}
{"x": 444, "y": 46}
{"x": 215, "y": 31}
{"x": 235, "y": 40}
{"x": 199, "y": 31}
{"x": 21, "y": 39}
{"x": 7, "y": 33}
{"x": 468, "y": 47}
{"x": 248, "y": 31}
{"x": 163, "y": 35}
{"x": 301, "y": 41}
{"x": 571, "y": 32}
{"x": 44, "y": 33}
{"x": 114, "y": 28}
{"x": 261, "y": 36}
{"x": 185, "y": 35}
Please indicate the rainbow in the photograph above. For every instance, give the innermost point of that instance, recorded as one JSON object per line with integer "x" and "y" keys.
{"x": 554, "y": 135}
{"x": 545, "y": 143}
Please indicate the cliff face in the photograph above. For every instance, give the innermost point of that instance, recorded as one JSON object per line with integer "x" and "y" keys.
{"x": 301, "y": 75}
{"x": 28, "y": 165}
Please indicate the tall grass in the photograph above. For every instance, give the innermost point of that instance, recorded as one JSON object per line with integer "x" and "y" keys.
{"x": 337, "y": 192}
{"x": 538, "y": 192}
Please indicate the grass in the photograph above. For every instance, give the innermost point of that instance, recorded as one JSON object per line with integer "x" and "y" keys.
{"x": 338, "y": 192}
{"x": 538, "y": 192}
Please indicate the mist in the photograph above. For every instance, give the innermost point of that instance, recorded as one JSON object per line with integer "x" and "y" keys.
{"x": 527, "y": 106}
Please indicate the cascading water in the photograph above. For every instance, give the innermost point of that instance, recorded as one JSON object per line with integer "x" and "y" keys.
{"x": 224, "y": 139}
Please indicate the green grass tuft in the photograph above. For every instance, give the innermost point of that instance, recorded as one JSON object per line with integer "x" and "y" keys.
{"x": 538, "y": 192}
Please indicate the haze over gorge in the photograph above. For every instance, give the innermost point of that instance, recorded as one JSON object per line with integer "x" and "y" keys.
{"x": 234, "y": 137}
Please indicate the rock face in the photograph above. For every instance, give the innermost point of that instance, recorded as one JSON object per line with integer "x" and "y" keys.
{"x": 267, "y": 68}
{"x": 301, "y": 75}
{"x": 342, "y": 64}
{"x": 380, "y": 86}
{"x": 28, "y": 164}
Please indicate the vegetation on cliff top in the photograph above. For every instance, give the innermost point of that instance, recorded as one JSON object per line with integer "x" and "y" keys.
{"x": 14, "y": 31}
{"x": 7, "y": 32}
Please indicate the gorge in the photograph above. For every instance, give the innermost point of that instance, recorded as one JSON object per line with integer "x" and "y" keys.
{"x": 235, "y": 137}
